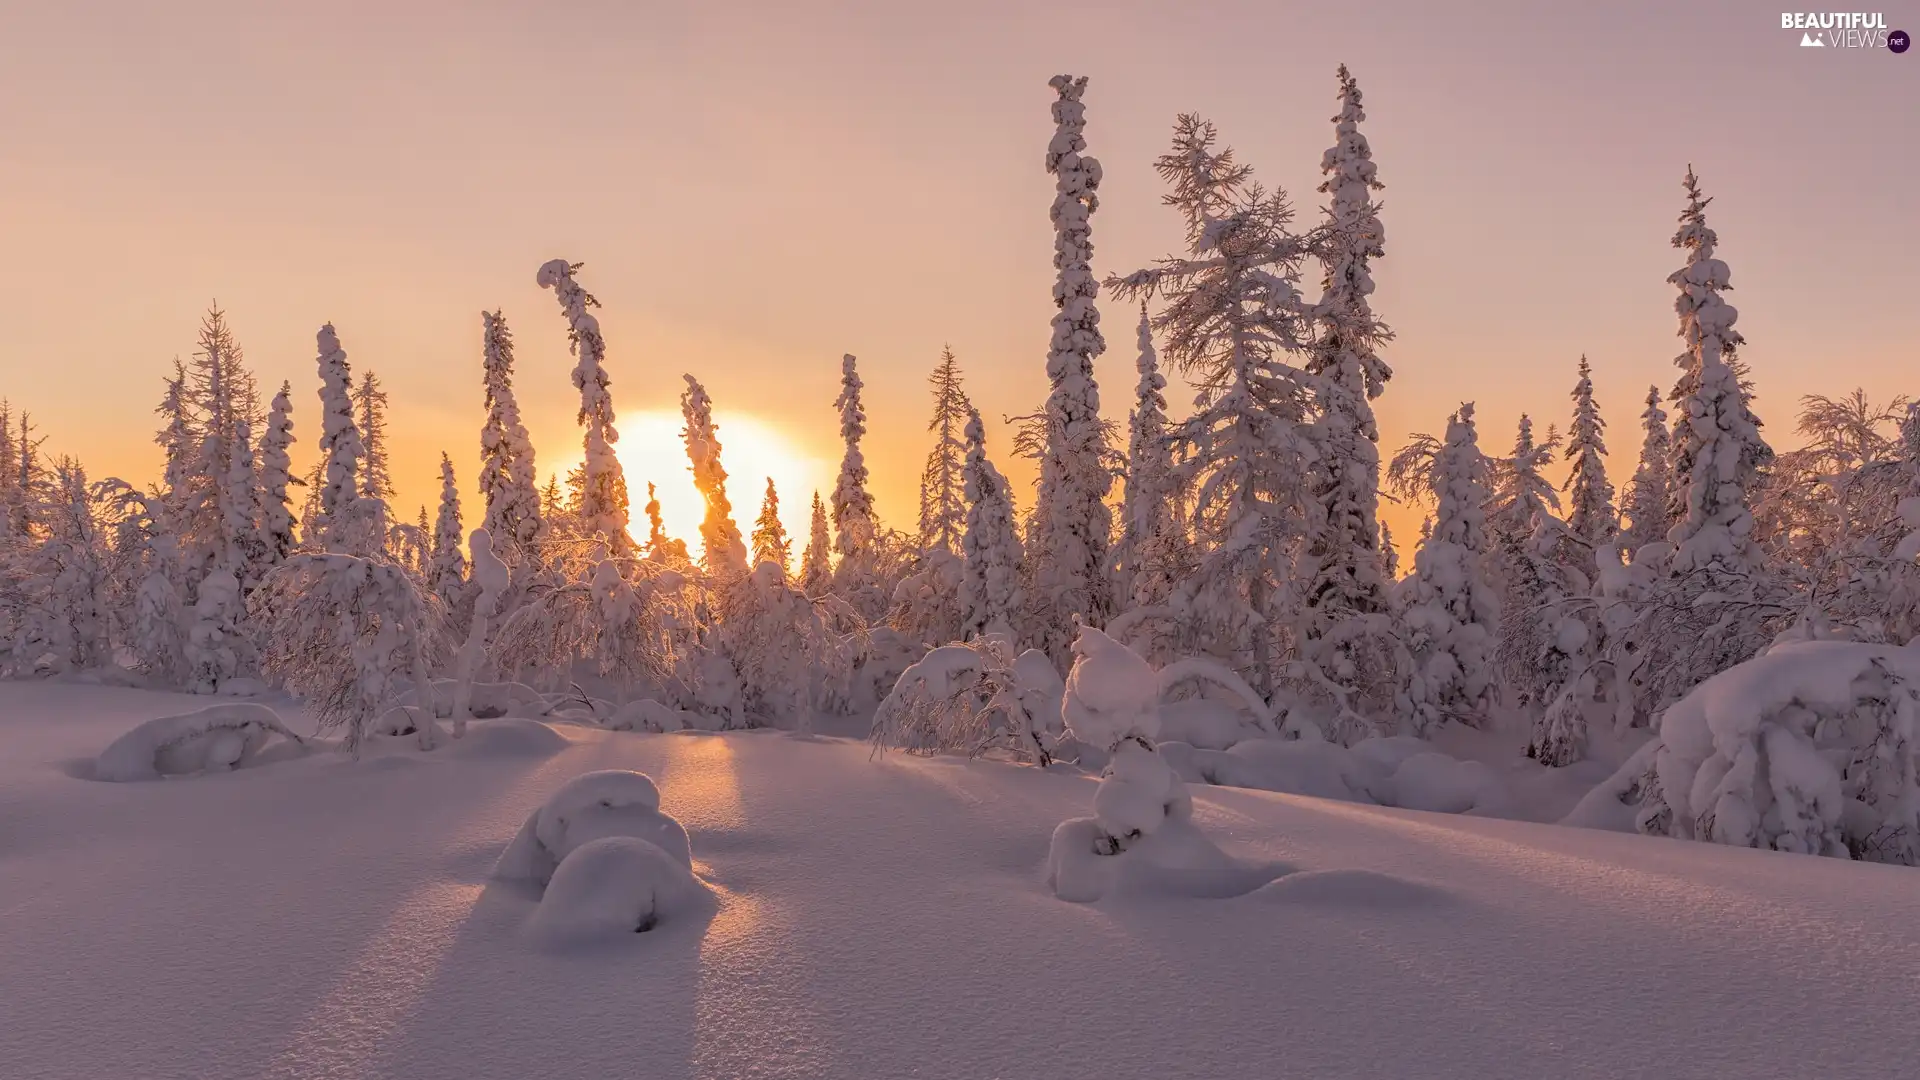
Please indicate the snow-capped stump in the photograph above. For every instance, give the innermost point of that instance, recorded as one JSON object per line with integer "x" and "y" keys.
{"x": 613, "y": 886}
{"x": 213, "y": 739}
{"x": 592, "y": 806}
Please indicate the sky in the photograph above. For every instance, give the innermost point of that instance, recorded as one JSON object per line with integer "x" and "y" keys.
{"x": 756, "y": 189}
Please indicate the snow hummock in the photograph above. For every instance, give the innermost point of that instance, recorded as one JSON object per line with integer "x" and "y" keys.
{"x": 213, "y": 739}
{"x": 607, "y": 802}
{"x": 611, "y": 886}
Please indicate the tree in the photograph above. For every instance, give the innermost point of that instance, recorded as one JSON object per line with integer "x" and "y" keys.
{"x": 1590, "y": 514}
{"x": 1070, "y": 561}
{"x": 340, "y": 525}
{"x": 250, "y": 550}
{"x": 370, "y": 416}
{"x": 1231, "y": 322}
{"x": 447, "y": 572}
{"x": 1650, "y": 492}
{"x": 770, "y": 543}
{"x": 816, "y": 572}
{"x": 1718, "y": 452}
{"x": 512, "y": 510}
{"x": 1346, "y": 580}
{"x": 990, "y": 597}
{"x": 722, "y": 549}
{"x": 603, "y": 506}
{"x": 1149, "y": 523}
{"x": 276, "y": 474}
{"x": 1452, "y": 612}
{"x": 659, "y": 544}
{"x": 853, "y": 521}
{"x": 63, "y": 618}
{"x": 1389, "y": 556}
{"x": 943, "y": 508}
{"x": 178, "y": 446}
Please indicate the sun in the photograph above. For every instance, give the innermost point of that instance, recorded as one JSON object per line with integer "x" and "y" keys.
{"x": 751, "y": 450}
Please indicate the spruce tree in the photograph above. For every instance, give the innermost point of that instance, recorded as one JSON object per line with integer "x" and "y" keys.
{"x": 370, "y": 416}
{"x": 447, "y": 571}
{"x": 990, "y": 597}
{"x": 1149, "y": 525}
{"x": 338, "y": 526}
{"x": 816, "y": 569}
{"x": 1591, "y": 517}
{"x": 770, "y": 542}
{"x": 1070, "y": 562}
{"x": 853, "y": 521}
{"x": 603, "y": 505}
{"x": 722, "y": 549}
{"x": 507, "y": 485}
{"x": 276, "y": 475}
{"x": 1650, "y": 492}
{"x": 943, "y": 506}
{"x": 1452, "y": 612}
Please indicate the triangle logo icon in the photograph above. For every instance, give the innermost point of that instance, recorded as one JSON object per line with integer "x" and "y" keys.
{"x": 1808, "y": 40}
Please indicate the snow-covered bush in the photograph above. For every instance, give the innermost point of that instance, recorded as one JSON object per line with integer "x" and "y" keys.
{"x": 342, "y": 631}
{"x": 613, "y": 886}
{"x": 782, "y": 647}
{"x": 969, "y": 699}
{"x": 1807, "y": 748}
{"x": 216, "y": 738}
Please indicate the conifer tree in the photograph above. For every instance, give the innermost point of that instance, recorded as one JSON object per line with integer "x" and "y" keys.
{"x": 1650, "y": 492}
{"x": 1591, "y": 517}
{"x": 1148, "y": 509}
{"x": 1347, "y": 575}
{"x": 1452, "y": 613}
{"x": 370, "y": 416}
{"x": 507, "y": 485}
{"x": 816, "y": 569}
{"x": 990, "y": 597}
{"x": 853, "y": 523}
{"x": 276, "y": 475}
{"x": 1388, "y": 554}
{"x": 943, "y": 505}
{"x": 338, "y": 526}
{"x": 447, "y": 572}
{"x": 1070, "y": 562}
{"x": 722, "y": 549}
{"x": 603, "y": 505}
{"x": 177, "y": 445}
{"x": 770, "y": 542}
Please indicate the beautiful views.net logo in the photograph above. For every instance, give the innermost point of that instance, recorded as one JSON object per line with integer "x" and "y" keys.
{"x": 1845, "y": 30}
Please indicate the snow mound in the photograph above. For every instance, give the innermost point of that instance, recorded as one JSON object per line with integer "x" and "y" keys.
{"x": 1112, "y": 693}
{"x": 1350, "y": 889}
{"x": 612, "y": 886}
{"x": 217, "y": 738}
{"x": 242, "y": 687}
{"x": 592, "y": 806}
{"x": 1401, "y": 771}
{"x": 1206, "y": 724}
{"x": 1436, "y": 782}
{"x": 1175, "y": 861}
{"x": 509, "y": 737}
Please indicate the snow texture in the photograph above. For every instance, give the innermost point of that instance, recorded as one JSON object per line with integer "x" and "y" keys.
{"x": 213, "y": 739}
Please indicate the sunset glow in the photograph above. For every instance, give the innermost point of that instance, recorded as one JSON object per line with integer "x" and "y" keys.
{"x": 652, "y": 451}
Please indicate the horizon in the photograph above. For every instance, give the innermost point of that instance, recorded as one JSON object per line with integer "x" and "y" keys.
{"x": 892, "y": 201}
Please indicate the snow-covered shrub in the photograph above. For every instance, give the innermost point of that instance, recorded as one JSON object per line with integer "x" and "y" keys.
{"x": 969, "y": 699}
{"x": 783, "y": 648}
{"x": 608, "y": 802}
{"x": 612, "y": 886}
{"x": 215, "y": 738}
{"x": 1808, "y": 748}
{"x": 886, "y": 656}
{"x": 927, "y": 605}
{"x": 341, "y": 632}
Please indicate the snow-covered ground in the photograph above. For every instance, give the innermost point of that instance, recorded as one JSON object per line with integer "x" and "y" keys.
{"x": 322, "y": 918}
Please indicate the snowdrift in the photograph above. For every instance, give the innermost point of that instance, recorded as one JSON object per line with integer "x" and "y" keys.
{"x": 1397, "y": 771}
{"x": 214, "y": 739}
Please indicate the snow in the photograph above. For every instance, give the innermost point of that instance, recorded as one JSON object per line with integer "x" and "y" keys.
{"x": 611, "y": 886}
{"x": 215, "y": 738}
{"x": 891, "y": 918}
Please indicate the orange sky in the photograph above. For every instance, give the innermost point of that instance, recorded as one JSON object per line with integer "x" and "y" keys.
{"x": 756, "y": 192}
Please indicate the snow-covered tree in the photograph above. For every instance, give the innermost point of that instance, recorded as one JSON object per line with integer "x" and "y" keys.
{"x": 603, "y": 504}
{"x": 339, "y": 525}
{"x": 276, "y": 475}
{"x": 244, "y": 510}
{"x": 341, "y": 631}
{"x": 853, "y": 521}
{"x": 1390, "y": 557}
{"x": 1149, "y": 511}
{"x": 943, "y": 508}
{"x": 1069, "y": 562}
{"x": 1650, "y": 492}
{"x": 1233, "y": 320}
{"x": 62, "y": 616}
{"x": 370, "y": 417}
{"x": 770, "y": 543}
{"x": 447, "y": 570}
{"x": 721, "y": 546}
{"x": 507, "y": 485}
{"x": 990, "y": 597}
{"x": 1591, "y": 517}
{"x": 1717, "y": 449}
{"x": 1346, "y": 581}
{"x": 1452, "y": 613}
{"x": 816, "y": 571}
{"x": 178, "y": 447}
{"x": 491, "y": 577}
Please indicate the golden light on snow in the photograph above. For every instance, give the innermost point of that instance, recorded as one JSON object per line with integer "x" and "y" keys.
{"x": 751, "y": 450}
